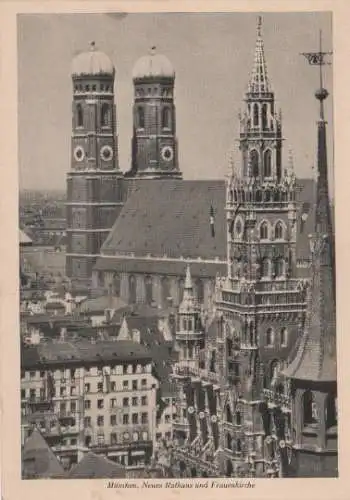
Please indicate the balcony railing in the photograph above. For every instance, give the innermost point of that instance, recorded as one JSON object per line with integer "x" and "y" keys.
{"x": 186, "y": 370}
{"x": 275, "y": 398}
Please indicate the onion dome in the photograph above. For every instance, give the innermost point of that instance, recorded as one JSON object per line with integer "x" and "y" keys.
{"x": 153, "y": 65}
{"x": 92, "y": 63}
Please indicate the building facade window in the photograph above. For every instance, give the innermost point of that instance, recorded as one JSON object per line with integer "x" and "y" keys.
{"x": 126, "y": 419}
{"x": 284, "y": 337}
{"x": 166, "y": 118}
{"x": 267, "y": 163}
{"x": 264, "y": 116}
{"x": 144, "y": 400}
{"x": 80, "y": 117}
{"x": 255, "y": 115}
{"x": 132, "y": 289}
{"x": 269, "y": 337}
{"x": 100, "y": 421}
{"x": 149, "y": 290}
{"x": 100, "y": 403}
{"x": 105, "y": 115}
{"x": 279, "y": 267}
{"x": 264, "y": 231}
{"x": 140, "y": 117}
{"x": 254, "y": 162}
{"x": 144, "y": 418}
{"x": 134, "y": 401}
{"x": 279, "y": 230}
{"x": 135, "y": 418}
{"x": 310, "y": 413}
{"x": 125, "y": 402}
{"x": 87, "y": 422}
{"x": 228, "y": 414}
{"x": 113, "y": 420}
{"x": 134, "y": 385}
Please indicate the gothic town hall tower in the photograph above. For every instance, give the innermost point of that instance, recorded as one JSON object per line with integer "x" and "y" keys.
{"x": 94, "y": 181}
{"x": 260, "y": 301}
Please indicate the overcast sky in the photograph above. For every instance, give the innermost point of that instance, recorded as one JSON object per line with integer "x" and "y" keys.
{"x": 213, "y": 57}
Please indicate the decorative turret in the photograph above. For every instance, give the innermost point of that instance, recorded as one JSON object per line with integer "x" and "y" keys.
{"x": 313, "y": 371}
{"x": 189, "y": 334}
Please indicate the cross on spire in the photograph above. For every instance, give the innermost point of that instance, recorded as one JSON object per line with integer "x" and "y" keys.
{"x": 319, "y": 59}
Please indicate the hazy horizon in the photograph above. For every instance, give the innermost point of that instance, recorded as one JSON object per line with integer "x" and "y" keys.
{"x": 213, "y": 57}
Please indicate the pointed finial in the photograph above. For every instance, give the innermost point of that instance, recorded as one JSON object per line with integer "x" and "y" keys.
{"x": 258, "y": 29}
{"x": 188, "y": 280}
{"x": 290, "y": 161}
{"x": 92, "y": 45}
{"x": 124, "y": 333}
{"x": 259, "y": 82}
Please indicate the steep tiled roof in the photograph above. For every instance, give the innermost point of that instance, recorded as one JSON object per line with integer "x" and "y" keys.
{"x": 58, "y": 353}
{"x": 171, "y": 218}
{"x": 97, "y": 467}
{"x": 100, "y": 304}
{"x": 38, "y": 460}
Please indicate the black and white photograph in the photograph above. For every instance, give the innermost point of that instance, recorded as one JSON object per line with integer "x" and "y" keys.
{"x": 176, "y": 224}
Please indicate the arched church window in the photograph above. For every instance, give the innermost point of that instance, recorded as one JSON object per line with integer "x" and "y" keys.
{"x": 239, "y": 445}
{"x": 148, "y": 290}
{"x": 132, "y": 289}
{"x": 269, "y": 337}
{"x": 254, "y": 162}
{"x": 264, "y": 116}
{"x": 228, "y": 413}
{"x": 228, "y": 441}
{"x": 283, "y": 336}
{"x": 166, "y": 118}
{"x": 279, "y": 230}
{"x": 267, "y": 163}
{"x": 79, "y": 115}
{"x": 310, "y": 412}
{"x": 238, "y": 418}
{"x": 140, "y": 117}
{"x": 105, "y": 115}
{"x": 255, "y": 115}
{"x": 264, "y": 231}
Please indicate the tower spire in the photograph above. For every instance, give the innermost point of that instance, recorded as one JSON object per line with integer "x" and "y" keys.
{"x": 259, "y": 82}
{"x": 316, "y": 357}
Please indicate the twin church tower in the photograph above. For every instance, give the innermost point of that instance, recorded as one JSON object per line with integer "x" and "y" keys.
{"x": 95, "y": 184}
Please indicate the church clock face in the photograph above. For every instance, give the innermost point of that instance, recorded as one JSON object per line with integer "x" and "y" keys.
{"x": 167, "y": 153}
{"x": 79, "y": 153}
{"x": 106, "y": 153}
